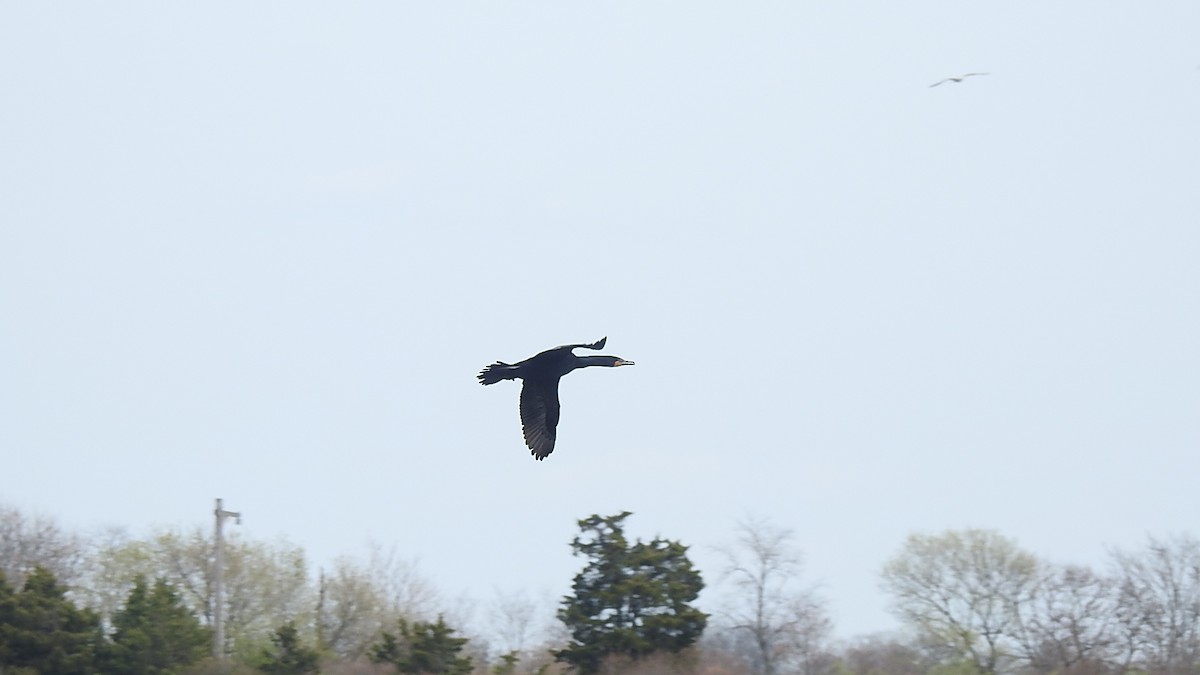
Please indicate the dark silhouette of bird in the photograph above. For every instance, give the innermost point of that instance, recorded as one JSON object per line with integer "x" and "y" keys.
{"x": 956, "y": 78}
{"x": 539, "y": 393}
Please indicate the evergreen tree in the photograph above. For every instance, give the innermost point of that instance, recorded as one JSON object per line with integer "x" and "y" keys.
{"x": 288, "y": 657}
{"x": 155, "y": 633}
{"x": 8, "y": 617}
{"x": 507, "y": 665}
{"x": 44, "y": 632}
{"x": 630, "y": 600}
{"x": 425, "y": 648}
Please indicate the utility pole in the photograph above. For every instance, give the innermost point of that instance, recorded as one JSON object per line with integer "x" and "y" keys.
{"x": 218, "y": 562}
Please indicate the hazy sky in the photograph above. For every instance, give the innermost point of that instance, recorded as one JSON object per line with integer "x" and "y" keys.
{"x": 258, "y": 251}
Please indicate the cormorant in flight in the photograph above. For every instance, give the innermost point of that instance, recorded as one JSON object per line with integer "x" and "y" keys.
{"x": 539, "y": 393}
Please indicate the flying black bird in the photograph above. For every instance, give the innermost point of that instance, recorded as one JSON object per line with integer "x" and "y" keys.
{"x": 539, "y": 393}
{"x": 956, "y": 78}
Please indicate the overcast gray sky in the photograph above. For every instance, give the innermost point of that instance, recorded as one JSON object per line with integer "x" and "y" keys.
{"x": 260, "y": 250}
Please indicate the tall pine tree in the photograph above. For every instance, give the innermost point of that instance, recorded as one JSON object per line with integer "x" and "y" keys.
{"x": 44, "y": 632}
{"x": 155, "y": 633}
{"x": 630, "y": 599}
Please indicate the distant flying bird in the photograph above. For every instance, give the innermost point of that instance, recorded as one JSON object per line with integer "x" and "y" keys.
{"x": 539, "y": 393}
{"x": 957, "y": 78}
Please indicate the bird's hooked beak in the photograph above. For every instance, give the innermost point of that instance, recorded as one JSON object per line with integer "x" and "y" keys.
{"x": 623, "y": 362}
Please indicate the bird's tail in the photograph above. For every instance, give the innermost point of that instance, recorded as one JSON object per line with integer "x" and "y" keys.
{"x": 496, "y": 372}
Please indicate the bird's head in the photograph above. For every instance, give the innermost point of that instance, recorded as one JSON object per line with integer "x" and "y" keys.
{"x": 618, "y": 361}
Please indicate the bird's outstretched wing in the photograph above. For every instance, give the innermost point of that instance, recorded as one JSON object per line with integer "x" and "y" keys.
{"x": 598, "y": 344}
{"x": 957, "y": 78}
{"x": 539, "y": 415}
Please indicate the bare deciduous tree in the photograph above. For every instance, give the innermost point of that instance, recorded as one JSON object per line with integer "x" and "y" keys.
{"x": 358, "y": 599}
{"x": 29, "y": 541}
{"x": 959, "y": 591}
{"x": 265, "y": 586}
{"x": 350, "y": 609}
{"x": 1158, "y": 605}
{"x": 522, "y": 633}
{"x": 1068, "y": 624}
{"x": 512, "y": 617}
{"x": 115, "y": 562}
{"x": 776, "y": 622}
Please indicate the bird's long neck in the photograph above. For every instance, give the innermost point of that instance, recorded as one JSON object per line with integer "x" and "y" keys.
{"x": 585, "y": 361}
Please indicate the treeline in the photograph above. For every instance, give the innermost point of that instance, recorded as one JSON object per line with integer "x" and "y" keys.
{"x": 976, "y": 601}
{"x": 971, "y": 602}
